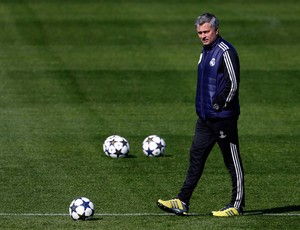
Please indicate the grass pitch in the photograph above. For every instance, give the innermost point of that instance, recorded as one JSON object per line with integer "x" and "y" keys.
{"x": 74, "y": 72}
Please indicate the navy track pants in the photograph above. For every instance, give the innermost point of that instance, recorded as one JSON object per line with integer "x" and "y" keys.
{"x": 207, "y": 133}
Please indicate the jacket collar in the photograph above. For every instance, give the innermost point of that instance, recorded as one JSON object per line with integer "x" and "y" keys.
{"x": 211, "y": 46}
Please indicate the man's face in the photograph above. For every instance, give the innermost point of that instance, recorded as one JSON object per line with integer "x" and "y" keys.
{"x": 206, "y": 33}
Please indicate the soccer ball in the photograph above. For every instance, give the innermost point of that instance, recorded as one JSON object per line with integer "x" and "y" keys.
{"x": 154, "y": 146}
{"x": 81, "y": 208}
{"x": 116, "y": 146}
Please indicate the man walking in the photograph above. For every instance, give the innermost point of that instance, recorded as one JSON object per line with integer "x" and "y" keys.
{"x": 217, "y": 107}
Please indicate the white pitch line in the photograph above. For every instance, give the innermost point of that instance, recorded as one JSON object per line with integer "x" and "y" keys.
{"x": 33, "y": 214}
{"x": 281, "y": 214}
{"x": 134, "y": 214}
{"x": 96, "y": 214}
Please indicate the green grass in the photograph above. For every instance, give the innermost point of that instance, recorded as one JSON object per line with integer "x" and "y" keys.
{"x": 74, "y": 72}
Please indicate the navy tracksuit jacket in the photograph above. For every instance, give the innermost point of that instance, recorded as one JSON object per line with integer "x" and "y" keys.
{"x": 216, "y": 86}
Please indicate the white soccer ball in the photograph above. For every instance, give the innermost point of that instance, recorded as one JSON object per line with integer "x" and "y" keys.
{"x": 81, "y": 208}
{"x": 116, "y": 146}
{"x": 154, "y": 146}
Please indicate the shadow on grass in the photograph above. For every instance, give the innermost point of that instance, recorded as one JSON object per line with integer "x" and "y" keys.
{"x": 292, "y": 208}
{"x": 96, "y": 219}
{"x": 277, "y": 210}
{"x": 135, "y": 156}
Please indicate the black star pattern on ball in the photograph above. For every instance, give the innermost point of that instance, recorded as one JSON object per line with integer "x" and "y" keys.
{"x": 112, "y": 142}
{"x": 149, "y": 152}
{"x": 150, "y": 139}
{"x": 124, "y": 142}
{"x": 85, "y": 204}
{"x": 73, "y": 207}
{"x": 118, "y": 152}
{"x": 160, "y": 146}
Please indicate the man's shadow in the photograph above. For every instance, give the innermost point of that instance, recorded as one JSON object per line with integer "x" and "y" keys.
{"x": 292, "y": 208}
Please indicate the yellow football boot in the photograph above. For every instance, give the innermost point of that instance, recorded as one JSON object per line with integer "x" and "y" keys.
{"x": 174, "y": 206}
{"x": 228, "y": 211}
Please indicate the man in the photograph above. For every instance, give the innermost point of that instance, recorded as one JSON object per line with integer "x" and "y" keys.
{"x": 217, "y": 107}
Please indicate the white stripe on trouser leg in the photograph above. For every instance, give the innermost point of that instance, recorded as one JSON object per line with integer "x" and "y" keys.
{"x": 239, "y": 175}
